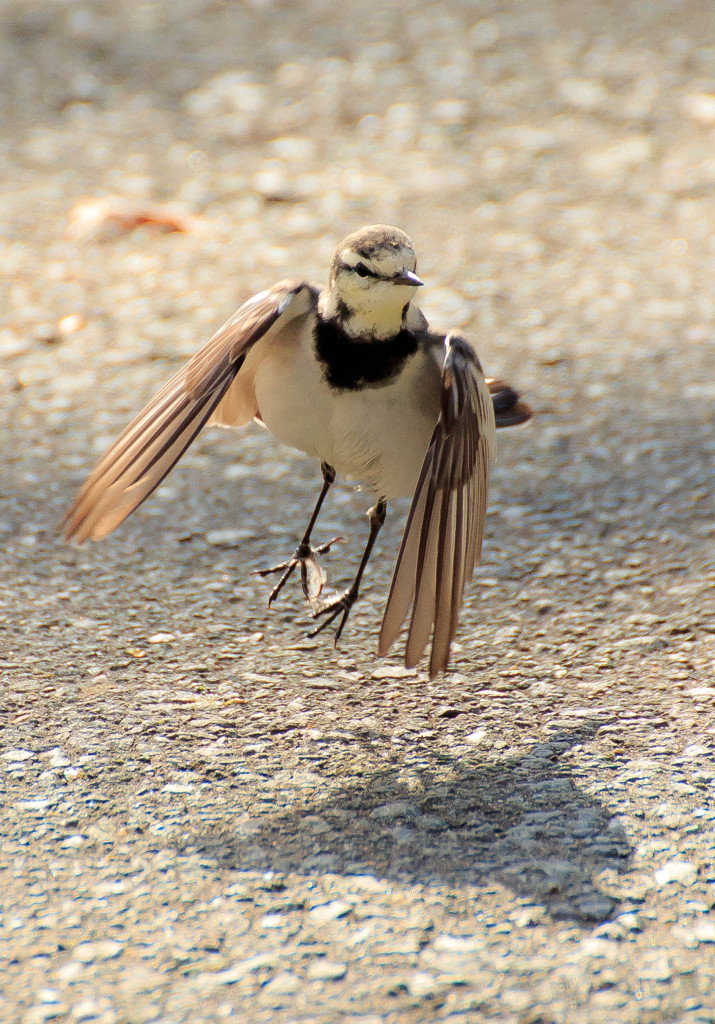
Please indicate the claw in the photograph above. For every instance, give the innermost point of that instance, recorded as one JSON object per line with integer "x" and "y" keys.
{"x": 312, "y": 574}
{"x": 332, "y": 608}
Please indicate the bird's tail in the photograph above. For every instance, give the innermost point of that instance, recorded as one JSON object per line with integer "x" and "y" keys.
{"x": 509, "y": 409}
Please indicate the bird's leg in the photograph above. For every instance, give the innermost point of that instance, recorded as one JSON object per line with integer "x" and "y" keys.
{"x": 312, "y": 576}
{"x": 342, "y": 603}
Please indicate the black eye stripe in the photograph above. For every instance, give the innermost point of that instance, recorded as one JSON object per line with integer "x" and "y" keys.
{"x": 362, "y": 271}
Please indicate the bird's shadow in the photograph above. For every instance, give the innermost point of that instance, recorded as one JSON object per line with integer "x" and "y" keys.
{"x": 521, "y": 822}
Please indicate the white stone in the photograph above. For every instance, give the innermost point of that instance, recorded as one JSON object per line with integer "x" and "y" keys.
{"x": 88, "y": 1009}
{"x": 421, "y": 984}
{"x": 456, "y": 944}
{"x": 476, "y": 737}
{"x": 283, "y": 984}
{"x": 74, "y": 841}
{"x": 700, "y": 107}
{"x": 161, "y": 638}
{"x": 325, "y": 970}
{"x": 12, "y": 344}
{"x": 393, "y": 672}
{"x": 107, "y": 949}
{"x": 326, "y": 912}
{"x": 705, "y": 932}
{"x": 228, "y": 538}
{"x": 582, "y": 93}
{"x": 235, "y": 973}
{"x": 231, "y": 92}
{"x": 681, "y": 871}
{"x": 620, "y": 156}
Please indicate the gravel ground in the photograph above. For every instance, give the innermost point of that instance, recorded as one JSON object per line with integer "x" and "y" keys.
{"x": 206, "y": 815}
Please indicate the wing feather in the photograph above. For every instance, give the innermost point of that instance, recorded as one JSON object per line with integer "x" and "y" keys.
{"x": 425, "y": 583}
{"x": 443, "y": 617}
{"x": 443, "y": 536}
{"x": 402, "y": 587}
{"x": 159, "y": 435}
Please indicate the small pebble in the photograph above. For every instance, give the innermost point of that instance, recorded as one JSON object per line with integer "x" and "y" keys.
{"x": 283, "y": 984}
{"x": 229, "y": 538}
{"x": 88, "y": 1009}
{"x": 705, "y": 932}
{"x": 326, "y": 912}
{"x": 89, "y": 952}
{"x": 681, "y": 871}
{"x": 325, "y": 970}
{"x": 398, "y": 809}
{"x": 700, "y": 106}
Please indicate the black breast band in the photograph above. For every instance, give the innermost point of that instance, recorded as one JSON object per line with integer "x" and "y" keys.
{"x": 352, "y": 363}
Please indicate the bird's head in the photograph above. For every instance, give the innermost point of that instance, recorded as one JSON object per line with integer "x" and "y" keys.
{"x": 372, "y": 280}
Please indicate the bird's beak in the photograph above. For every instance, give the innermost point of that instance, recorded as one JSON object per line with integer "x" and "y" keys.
{"x": 407, "y": 277}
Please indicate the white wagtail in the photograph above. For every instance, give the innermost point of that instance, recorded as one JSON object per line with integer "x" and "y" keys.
{"x": 353, "y": 376}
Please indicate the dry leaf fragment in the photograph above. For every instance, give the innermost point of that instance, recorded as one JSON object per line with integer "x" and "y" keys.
{"x": 110, "y": 216}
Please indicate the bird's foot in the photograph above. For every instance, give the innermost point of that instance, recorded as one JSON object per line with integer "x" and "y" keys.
{"x": 332, "y": 608}
{"x": 312, "y": 574}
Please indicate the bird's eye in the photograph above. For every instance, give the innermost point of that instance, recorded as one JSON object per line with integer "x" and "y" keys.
{"x": 362, "y": 271}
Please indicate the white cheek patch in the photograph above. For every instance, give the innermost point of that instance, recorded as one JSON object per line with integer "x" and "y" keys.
{"x": 349, "y": 258}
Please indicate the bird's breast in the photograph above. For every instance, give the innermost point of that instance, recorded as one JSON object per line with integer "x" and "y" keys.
{"x": 373, "y": 435}
{"x": 351, "y": 364}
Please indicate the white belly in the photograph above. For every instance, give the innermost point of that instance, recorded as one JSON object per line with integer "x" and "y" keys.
{"x": 381, "y": 434}
{"x": 377, "y": 437}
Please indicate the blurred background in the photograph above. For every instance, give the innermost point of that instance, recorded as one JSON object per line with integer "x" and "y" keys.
{"x": 555, "y": 165}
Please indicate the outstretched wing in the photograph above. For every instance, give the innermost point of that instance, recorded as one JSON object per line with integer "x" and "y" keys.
{"x": 443, "y": 536}
{"x": 156, "y": 439}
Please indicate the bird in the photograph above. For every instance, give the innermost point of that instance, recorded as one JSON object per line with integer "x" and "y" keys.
{"x": 352, "y": 375}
